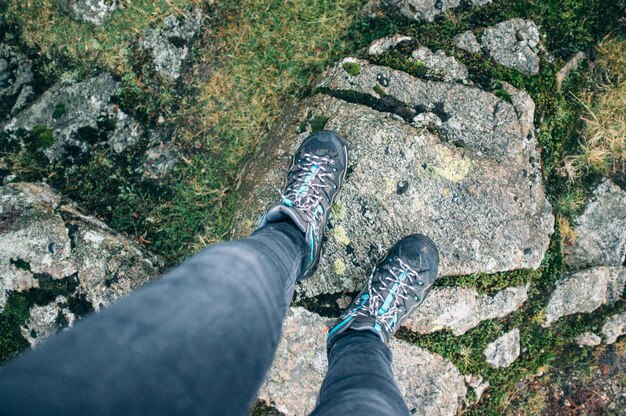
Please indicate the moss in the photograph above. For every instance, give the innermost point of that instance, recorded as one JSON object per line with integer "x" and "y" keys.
{"x": 319, "y": 122}
{"x": 353, "y": 69}
{"x": 500, "y": 93}
{"x": 44, "y": 137}
{"x": 59, "y": 110}
{"x": 379, "y": 90}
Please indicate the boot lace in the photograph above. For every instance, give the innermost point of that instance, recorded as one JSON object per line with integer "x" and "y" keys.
{"x": 383, "y": 302}
{"x": 305, "y": 191}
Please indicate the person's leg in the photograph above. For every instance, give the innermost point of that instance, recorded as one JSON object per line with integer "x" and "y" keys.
{"x": 200, "y": 340}
{"x": 197, "y": 341}
{"x": 359, "y": 378}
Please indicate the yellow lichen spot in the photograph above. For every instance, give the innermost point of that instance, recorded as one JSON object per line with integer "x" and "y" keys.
{"x": 446, "y": 191}
{"x": 341, "y": 236}
{"x": 390, "y": 185}
{"x": 338, "y": 212}
{"x": 340, "y": 267}
{"x": 418, "y": 204}
{"x": 451, "y": 165}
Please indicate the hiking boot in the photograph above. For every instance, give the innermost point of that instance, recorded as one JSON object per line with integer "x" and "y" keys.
{"x": 316, "y": 175}
{"x": 398, "y": 285}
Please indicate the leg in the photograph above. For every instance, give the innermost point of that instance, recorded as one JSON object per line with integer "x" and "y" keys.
{"x": 359, "y": 363}
{"x": 359, "y": 378}
{"x": 197, "y": 341}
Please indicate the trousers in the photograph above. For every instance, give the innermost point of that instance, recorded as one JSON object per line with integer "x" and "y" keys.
{"x": 199, "y": 340}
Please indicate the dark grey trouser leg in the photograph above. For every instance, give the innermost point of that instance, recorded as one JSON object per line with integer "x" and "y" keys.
{"x": 359, "y": 379}
{"x": 197, "y": 341}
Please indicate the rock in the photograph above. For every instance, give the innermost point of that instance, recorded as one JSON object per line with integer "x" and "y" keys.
{"x": 474, "y": 119}
{"x": 600, "y": 230}
{"x": 407, "y": 180}
{"x": 45, "y": 321}
{"x": 16, "y": 78}
{"x": 169, "y": 44}
{"x": 160, "y": 160}
{"x": 33, "y": 236}
{"x": 571, "y": 65}
{"x": 72, "y": 119}
{"x": 89, "y": 11}
{"x": 588, "y": 339}
{"x": 440, "y": 64}
{"x": 460, "y": 309}
{"x": 614, "y": 328}
{"x": 513, "y": 43}
{"x": 479, "y": 386}
{"x": 429, "y": 383}
{"x": 41, "y": 237}
{"x": 420, "y": 10}
{"x": 585, "y": 291}
{"x": 503, "y": 351}
{"x": 467, "y": 41}
{"x": 381, "y": 46}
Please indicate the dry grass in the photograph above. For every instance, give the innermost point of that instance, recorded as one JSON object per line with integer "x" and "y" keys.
{"x": 568, "y": 235}
{"x": 604, "y": 146}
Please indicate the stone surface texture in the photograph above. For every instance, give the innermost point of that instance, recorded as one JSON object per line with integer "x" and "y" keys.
{"x": 43, "y": 237}
{"x": 429, "y": 384}
{"x": 16, "y": 80}
{"x": 588, "y": 339}
{"x": 79, "y": 116}
{"x": 169, "y": 43}
{"x": 600, "y": 230}
{"x": 569, "y": 66}
{"x": 420, "y": 10}
{"x": 467, "y": 41}
{"x": 460, "y": 309}
{"x": 484, "y": 155}
{"x": 585, "y": 291}
{"x": 89, "y": 11}
{"x": 513, "y": 43}
{"x": 44, "y": 321}
{"x": 383, "y": 45}
{"x": 503, "y": 351}
{"x": 478, "y": 384}
{"x": 440, "y": 64}
{"x": 614, "y": 328}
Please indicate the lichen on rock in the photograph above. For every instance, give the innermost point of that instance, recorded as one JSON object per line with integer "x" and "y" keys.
{"x": 600, "y": 230}
{"x": 72, "y": 119}
{"x": 514, "y": 43}
{"x": 405, "y": 179}
{"x": 460, "y": 309}
{"x": 89, "y": 11}
{"x": 169, "y": 43}
{"x": 420, "y": 10}
{"x": 585, "y": 291}
{"x": 16, "y": 79}
{"x": 43, "y": 237}
{"x": 503, "y": 351}
{"x": 614, "y": 327}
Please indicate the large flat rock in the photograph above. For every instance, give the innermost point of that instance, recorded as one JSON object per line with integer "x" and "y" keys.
{"x": 430, "y": 384}
{"x": 482, "y": 203}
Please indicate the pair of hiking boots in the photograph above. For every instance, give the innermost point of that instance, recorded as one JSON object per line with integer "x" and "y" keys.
{"x": 399, "y": 282}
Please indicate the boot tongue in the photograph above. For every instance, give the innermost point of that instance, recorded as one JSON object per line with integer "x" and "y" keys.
{"x": 367, "y": 323}
{"x": 280, "y": 212}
